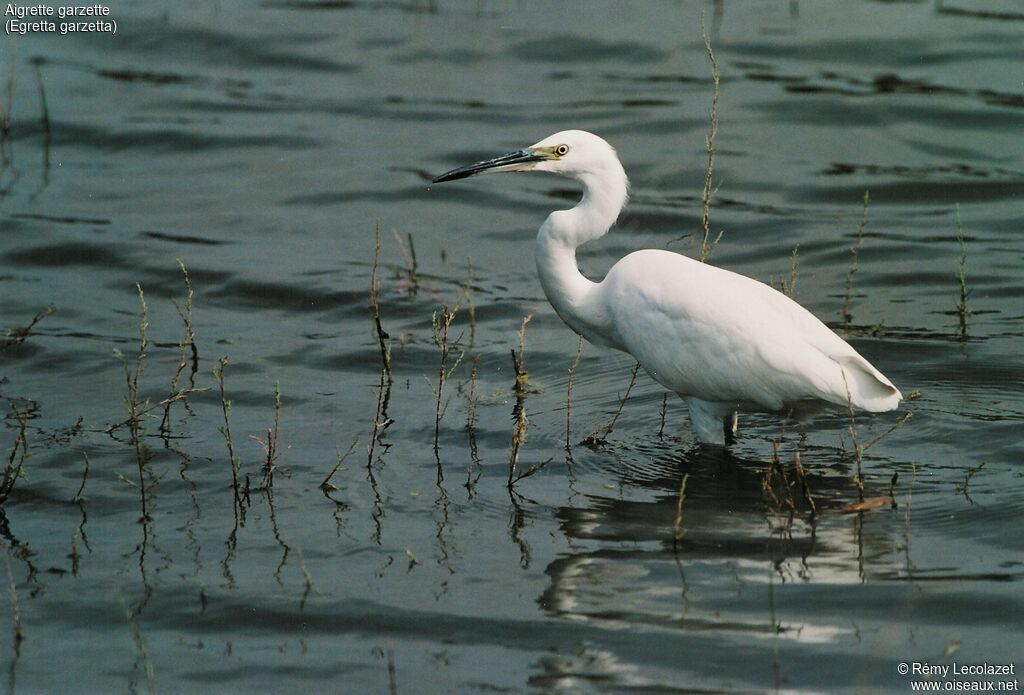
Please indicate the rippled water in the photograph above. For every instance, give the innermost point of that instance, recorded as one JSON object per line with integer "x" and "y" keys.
{"x": 263, "y": 143}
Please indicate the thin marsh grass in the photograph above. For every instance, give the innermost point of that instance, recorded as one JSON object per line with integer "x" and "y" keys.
{"x": 188, "y": 353}
{"x": 789, "y": 288}
{"x": 599, "y": 437}
{"x": 707, "y": 246}
{"x": 16, "y": 336}
{"x": 854, "y": 263}
{"x": 270, "y": 444}
{"x": 85, "y": 477}
{"x": 521, "y": 389}
{"x": 225, "y": 429}
{"x": 137, "y": 408}
{"x": 441, "y": 326}
{"x": 962, "y": 311}
{"x": 15, "y": 464}
{"x": 381, "y": 421}
{"x": 568, "y": 396}
{"x": 327, "y": 485}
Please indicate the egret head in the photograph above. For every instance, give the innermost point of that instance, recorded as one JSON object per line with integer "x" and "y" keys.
{"x": 571, "y": 152}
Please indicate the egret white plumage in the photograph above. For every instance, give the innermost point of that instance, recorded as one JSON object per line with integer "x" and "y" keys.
{"x": 721, "y": 341}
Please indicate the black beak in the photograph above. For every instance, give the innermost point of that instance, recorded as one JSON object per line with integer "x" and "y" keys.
{"x": 506, "y": 160}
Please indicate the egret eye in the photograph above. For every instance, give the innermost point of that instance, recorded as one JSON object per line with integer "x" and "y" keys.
{"x": 562, "y": 150}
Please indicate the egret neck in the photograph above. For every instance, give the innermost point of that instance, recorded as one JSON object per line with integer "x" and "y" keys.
{"x": 573, "y": 296}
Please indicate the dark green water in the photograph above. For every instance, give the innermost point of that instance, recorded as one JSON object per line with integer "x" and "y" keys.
{"x": 261, "y": 143}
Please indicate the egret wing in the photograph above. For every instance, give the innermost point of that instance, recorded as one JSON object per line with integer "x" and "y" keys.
{"x": 708, "y": 332}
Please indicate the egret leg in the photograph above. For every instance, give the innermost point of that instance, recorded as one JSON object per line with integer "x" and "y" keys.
{"x": 730, "y": 424}
{"x": 708, "y": 418}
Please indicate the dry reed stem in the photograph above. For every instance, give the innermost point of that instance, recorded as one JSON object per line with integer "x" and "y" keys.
{"x": 85, "y": 476}
{"x": 519, "y": 427}
{"x": 381, "y": 421}
{"x": 188, "y": 341}
{"x": 805, "y": 489}
{"x": 520, "y": 389}
{"x": 787, "y": 485}
{"x": 270, "y": 445}
{"x": 961, "y": 304}
{"x": 382, "y": 336}
{"x": 857, "y": 450}
{"x": 522, "y": 377}
{"x": 225, "y": 405}
{"x": 789, "y": 289}
{"x": 327, "y": 485}
{"x": 768, "y": 483}
{"x": 965, "y": 486}
{"x": 132, "y": 379}
{"x": 625, "y": 397}
{"x": 568, "y": 395}
{"x": 468, "y": 299}
{"x": 709, "y": 142}
{"x": 16, "y": 336}
{"x": 441, "y": 329}
{"x": 854, "y": 262}
{"x": 16, "y": 460}
{"x": 411, "y": 267}
{"x": 594, "y": 439}
{"x": 664, "y": 411}
{"x": 146, "y": 410}
{"x": 899, "y": 423}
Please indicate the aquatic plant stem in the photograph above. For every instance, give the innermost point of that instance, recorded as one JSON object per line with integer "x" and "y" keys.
{"x": 961, "y": 304}
{"x": 857, "y": 450}
{"x": 598, "y": 438}
{"x": 16, "y": 460}
{"x": 441, "y": 329}
{"x": 709, "y": 144}
{"x": 520, "y": 389}
{"x": 226, "y": 429}
{"x": 382, "y": 336}
{"x": 854, "y": 262}
{"x": 381, "y": 421}
{"x": 568, "y": 395}
{"x": 327, "y": 485}
{"x": 188, "y": 342}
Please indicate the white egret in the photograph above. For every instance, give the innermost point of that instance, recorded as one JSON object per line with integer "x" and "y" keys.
{"x": 721, "y": 341}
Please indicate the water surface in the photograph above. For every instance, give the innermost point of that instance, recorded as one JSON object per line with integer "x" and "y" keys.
{"x": 264, "y": 143}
